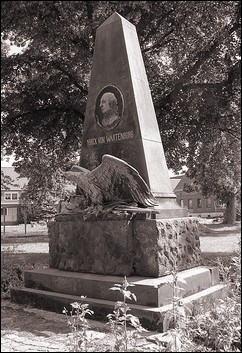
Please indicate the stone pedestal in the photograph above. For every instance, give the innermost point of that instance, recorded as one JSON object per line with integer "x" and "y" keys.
{"x": 87, "y": 257}
{"x": 52, "y": 289}
{"x": 123, "y": 246}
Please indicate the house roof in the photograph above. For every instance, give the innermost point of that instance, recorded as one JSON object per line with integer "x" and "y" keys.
{"x": 174, "y": 183}
{"x": 9, "y": 171}
{"x": 21, "y": 182}
{"x": 178, "y": 181}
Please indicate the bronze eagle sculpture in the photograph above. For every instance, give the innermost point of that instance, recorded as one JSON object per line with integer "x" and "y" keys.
{"x": 113, "y": 182}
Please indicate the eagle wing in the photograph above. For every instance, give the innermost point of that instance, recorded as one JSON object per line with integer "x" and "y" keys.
{"x": 80, "y": 176}
{"x": 119, "y": 181}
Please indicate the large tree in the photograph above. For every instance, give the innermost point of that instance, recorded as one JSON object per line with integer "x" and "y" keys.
{"x": 191, "y": 53}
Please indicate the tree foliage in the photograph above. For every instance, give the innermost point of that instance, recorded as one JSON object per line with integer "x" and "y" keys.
{"x": 191, "y": 51}
{"x": 6, "y": 181}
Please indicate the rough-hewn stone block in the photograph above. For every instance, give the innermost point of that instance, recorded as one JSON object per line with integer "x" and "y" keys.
{"x": 163, "y": 245}
{"x": 104, "y": 247}
{"x": 124, "y": 247}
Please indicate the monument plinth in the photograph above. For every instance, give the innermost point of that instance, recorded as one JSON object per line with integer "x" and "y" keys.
{"x": 120, "y": 119}
{"x": 89, "y": 253}
{"x": 123, "y": 246}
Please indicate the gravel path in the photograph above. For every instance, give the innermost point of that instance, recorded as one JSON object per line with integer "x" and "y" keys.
{"x": 26, "y": 247}
{"x": 218, "y": 244}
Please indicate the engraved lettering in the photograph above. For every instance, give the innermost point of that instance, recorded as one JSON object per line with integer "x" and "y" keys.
{"x": 92, "y": 142}
{"x": 127, "y": 135}
{"x": 101, "y": 139}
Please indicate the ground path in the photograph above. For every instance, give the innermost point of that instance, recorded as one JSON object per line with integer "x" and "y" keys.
{"x": 26, "y": 247}
{"x": 229, "y": 243}
{"x": 36, "y": 330}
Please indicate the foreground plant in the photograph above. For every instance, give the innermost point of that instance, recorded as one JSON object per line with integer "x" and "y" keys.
{"x": 11, "y": 275}
{"x": 79, "y": 325}
{"x": 218, "y": 328}
{"x": 120, "y": 319}
{"x": 174, "y": 338}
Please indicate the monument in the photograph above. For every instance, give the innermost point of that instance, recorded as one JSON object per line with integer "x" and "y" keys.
{"x": 118, "y": 74}
{"x": 93, "y": 245}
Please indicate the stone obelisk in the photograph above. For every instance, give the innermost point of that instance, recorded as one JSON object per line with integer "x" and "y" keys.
{"x": 129, "y": 130}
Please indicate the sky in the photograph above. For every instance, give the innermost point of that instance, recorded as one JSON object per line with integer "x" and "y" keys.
{"x": 5, "y": 163}
{"x": 14, "y": 49}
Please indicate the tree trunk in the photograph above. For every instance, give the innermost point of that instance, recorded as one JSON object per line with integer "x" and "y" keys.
{"x": 230, "y": 212}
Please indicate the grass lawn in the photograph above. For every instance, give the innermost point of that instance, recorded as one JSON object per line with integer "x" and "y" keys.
{"x": 208, "y": 228}
{"x": 27, "y": 259}
{"x": 19, "y": 230}
{"x": 16, "y": 233}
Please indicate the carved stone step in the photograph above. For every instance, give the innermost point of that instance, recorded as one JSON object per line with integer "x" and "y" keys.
{"x": 150, "y": 317}
{"x": 149, "y": 291}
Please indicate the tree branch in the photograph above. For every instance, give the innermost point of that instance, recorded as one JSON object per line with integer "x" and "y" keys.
{"x": 201, "y": 57}
{"x": 159, "y": 22}
{"x": 231, "y": 133}
{"x": 68, "y": 74}
{"x": 158, "y": 45}
{"x": 89, "y": 8}
{"x": 42, "y": 109}
{"x": 204, "y": 85}
{"x": 233, "y": 71}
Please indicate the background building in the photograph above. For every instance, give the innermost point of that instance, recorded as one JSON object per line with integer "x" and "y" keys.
{"x": 10, "y": 203}
{"x": 10, "y": 197}
{"x": 197, "y": 204}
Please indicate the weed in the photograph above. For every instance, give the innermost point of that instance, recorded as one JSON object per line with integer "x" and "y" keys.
{"x": 10, "y": 275}
{"x": 120, "y": 318}
{"x": 175, "y": 321}
{"x": 214, "y": 329}
{"x": 79, "y": 326}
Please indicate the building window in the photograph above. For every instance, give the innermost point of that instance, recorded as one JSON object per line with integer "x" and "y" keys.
{"x": 4, "y": 210}
{"x": 209, "y": 203}
{"x": 199, "y": 203}
{"x": 189, "y": 203}
{"x": 182, "y": 203}
{"x": 11, "y": 196}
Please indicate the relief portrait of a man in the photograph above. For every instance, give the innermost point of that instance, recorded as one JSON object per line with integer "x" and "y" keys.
{"x": 109, "y": 107}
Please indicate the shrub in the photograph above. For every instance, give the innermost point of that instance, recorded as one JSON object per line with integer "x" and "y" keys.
{"x": 214, "y": 328}
{"x": 10, "y": 277}
{"x": 218, "y": 328}
{"x": 13, "y": 266}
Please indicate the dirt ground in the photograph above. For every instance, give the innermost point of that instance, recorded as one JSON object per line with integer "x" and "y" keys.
{"x": 26, "y": 329}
